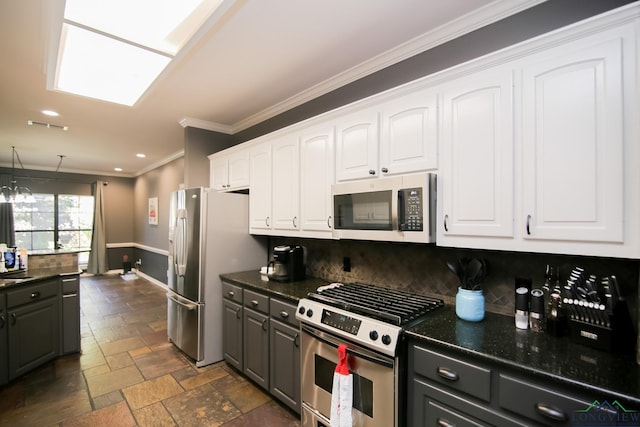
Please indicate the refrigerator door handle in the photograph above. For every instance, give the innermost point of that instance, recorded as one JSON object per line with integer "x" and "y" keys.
{"x": 180, "y": 258}
{"x": 186, "y": 304}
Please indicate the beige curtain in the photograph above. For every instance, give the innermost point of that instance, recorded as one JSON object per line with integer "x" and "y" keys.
{"x": 98, "y": 256}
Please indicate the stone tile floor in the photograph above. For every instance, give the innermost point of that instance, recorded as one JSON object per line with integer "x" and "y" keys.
{"x": 128, "y": 374}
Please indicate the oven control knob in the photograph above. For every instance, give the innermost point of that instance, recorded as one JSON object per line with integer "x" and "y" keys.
{"x": 386, "y": 339}
{"x": 309, "y": 313}
{"x": 373, "y": 335}
{"x": 301, "y": 310}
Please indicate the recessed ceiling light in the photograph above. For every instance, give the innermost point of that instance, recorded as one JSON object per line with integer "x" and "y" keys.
{"x": 141, "y": 155}
{"x": 117, "y": 169}
{"x": 50, "y": 113}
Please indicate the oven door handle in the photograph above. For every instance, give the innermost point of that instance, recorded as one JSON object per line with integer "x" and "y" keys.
{"x": 327, "y": 339}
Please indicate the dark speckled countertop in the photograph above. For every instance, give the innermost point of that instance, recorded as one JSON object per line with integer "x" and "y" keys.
{"x": 292, "y": 291}
{"x": 558, "y": 360}
{"x": 24, "y": 277}
{"x": 496, "y": 340}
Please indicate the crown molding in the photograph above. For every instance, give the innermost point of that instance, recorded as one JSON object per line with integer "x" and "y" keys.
{"x": 203, "y": 124}
{"x": 479, "y": 18}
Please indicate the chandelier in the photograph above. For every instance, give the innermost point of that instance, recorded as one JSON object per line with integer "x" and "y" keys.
{"x": 14, "y": 193}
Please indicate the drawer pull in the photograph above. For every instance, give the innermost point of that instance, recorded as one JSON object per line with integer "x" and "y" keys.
{"x": 231, "y": 294}
{"x": 441, "y": 422}
{"x": 284, "y": 314}
{"x": 254, "y": 302}
{"x": 35, "y": 294}
{"x": 447, "y": 374}
{"x": 551, "y": 412}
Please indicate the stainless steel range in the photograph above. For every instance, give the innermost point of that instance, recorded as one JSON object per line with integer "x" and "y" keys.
{"x": 369, "y": 320}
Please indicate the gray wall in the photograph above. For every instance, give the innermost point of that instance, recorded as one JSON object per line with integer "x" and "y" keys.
{"x": 199, "y": 143}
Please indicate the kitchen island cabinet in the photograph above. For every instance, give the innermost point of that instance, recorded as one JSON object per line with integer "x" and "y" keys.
{"x": 34, "y": 326}
{"x": 39, "y": 318}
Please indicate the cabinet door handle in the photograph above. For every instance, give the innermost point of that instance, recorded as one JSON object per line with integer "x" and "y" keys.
{"x": 296, "y": 340}
{"x": 527, "y": 225}
{"x": 266, "y": 221}
{"x": 2, "y": 321}
{"x": 35, "y": 294}
{"x": 372, "y": 172}
{"x": 551, "y": 412}
{"x": 294, "y": 222}
{"x": 238, "y": 315}
{"x": 385, "y": 170}
{"x": 446, "y": 219}
{"x": 441, "y": 422}
{"x": 447, "y": 374}
{"x": 329, "y": 222}
{"x": 264, "y": 325}
{"x": 284, "y": 314}
{"x": 14, "y": 318}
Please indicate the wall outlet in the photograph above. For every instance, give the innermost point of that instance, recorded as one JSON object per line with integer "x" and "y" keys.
{"x": 346, "y": 263}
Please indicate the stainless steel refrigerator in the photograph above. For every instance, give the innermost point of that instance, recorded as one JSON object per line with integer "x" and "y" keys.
{"x": 208, "y": 236}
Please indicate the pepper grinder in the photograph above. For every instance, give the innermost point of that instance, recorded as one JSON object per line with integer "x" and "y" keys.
{"x": 522, "y": 308}
{"x": 536, "y": 313}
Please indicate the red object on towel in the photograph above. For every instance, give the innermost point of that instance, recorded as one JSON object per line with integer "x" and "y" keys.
{"x": 342, "y": 367}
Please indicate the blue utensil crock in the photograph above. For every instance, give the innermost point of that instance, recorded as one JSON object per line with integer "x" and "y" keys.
{"x": 470, "y": 305}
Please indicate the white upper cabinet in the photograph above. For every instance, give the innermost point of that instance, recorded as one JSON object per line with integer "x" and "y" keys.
{"x": 285, "y": 153}
{"x": 409, "y": 138}
{"x": 230, "y": 170}
{"x": 316, "y": 177}
{"x": 476, "y": 182}
{"x": 260, "y": 217}
{"x": 573, "y": 142}
{"x": 357, "y": 145}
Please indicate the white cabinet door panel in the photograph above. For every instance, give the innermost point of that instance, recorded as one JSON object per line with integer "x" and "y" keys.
{"x": 477, "y": 188}
{"x": 573, "y": 144}
{"x": 316, "y": 177}
{"x": 357, "y": 146}
{"x": 409, "y": 140}
{"x": 286, "y": 183}
{"x": 260, "y": 194}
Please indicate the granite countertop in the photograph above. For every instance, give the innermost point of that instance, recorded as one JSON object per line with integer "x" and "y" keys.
{"x": 23, "y": 277}
{"x": 598, "y": 373}
{"x": 496, "y": 340}
{"x": 292, "y": 291}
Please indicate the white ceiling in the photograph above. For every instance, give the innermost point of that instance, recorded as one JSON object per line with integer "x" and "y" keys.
{"x": 252, "y": 60}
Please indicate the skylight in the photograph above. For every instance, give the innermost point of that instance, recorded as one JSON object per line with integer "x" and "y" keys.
{"x": 114, "y": 50}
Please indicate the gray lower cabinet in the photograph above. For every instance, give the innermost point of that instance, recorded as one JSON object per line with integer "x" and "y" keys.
{"x": 451, "y": 389}
{"x": 34, "y": 326}
{"x": 70, "y": 337}
{"x": 256, "y": 346}
{"x": 284, "y": 354}
{"x": 261, "y": 338}
{"x": 4, "y": 326}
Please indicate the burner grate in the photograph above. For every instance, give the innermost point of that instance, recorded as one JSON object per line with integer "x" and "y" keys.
{"x": 389, "y": 305}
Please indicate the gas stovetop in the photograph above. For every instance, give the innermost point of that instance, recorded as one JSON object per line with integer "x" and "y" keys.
{"x": 370, "y": 315}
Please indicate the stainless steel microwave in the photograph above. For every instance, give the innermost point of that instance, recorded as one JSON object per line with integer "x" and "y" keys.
{"x": 394, "y": 209}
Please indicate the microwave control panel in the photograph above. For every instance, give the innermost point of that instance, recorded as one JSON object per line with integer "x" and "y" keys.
{"x": 410, "y": 215}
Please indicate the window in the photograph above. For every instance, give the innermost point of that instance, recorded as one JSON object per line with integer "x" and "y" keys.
{"x": 66, "y": 219}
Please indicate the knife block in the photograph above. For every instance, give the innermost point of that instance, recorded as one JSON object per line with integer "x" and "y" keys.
{"x": 619, "y": 336}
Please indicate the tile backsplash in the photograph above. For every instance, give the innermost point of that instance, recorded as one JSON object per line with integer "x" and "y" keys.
{"x": 53, "y": 260}
{"x": 422, "y": 268}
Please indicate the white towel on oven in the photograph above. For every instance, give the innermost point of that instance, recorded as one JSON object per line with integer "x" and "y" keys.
{"x": 342, "y": 392}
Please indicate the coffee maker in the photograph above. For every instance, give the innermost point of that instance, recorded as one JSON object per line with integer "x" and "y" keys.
{"x": 288, "y": 264}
